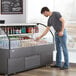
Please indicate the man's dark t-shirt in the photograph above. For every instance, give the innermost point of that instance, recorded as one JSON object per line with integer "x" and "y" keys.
{"x": 55, "y": 22}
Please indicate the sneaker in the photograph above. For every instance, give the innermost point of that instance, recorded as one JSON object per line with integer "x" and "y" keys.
{"x": 54, "y": 66}
{"x": 64, "y": 68}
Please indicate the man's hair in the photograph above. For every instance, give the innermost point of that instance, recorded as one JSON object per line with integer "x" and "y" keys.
{"x": 44, "y": 9}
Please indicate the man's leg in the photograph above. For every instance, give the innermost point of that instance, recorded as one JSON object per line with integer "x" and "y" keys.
{"x": 58, "y": 49}
{"x": 65, "y": 50}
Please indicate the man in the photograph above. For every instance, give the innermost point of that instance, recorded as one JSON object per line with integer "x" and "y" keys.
{"x": 56, "y": 20}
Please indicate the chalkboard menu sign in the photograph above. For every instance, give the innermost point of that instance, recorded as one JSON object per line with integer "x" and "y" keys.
{"x": 11, "y": 6}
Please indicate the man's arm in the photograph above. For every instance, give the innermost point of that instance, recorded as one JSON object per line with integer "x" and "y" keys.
{"x": 44, "y": 33}
{"x": 62, "y": 20}
{"x": 62, "y": 30}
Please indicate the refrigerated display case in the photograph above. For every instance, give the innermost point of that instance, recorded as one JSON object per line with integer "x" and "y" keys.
{"x": 20, "y": 52}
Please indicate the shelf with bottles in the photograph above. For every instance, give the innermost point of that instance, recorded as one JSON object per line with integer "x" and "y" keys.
{"x": 12, "y": 35}
{"x": 20, "y": 30}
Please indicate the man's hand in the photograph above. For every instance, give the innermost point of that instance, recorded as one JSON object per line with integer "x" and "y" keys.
{"x": 62, "y": 30}
{"x": 43, "y": 34}
{"x": 38, "y": 38}
{"x": 60, "y": 33}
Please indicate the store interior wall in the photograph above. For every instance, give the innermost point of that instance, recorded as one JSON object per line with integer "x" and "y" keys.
{"x": 31, "y": 14}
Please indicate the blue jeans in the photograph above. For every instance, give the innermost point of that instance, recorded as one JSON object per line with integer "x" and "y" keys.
{"x": 61, "y": 46}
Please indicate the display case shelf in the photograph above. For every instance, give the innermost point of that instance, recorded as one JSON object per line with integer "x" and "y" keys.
{"x": 21, "y": 36}
{"x": 28, "y": 34}
{"x": 19, "y": 51}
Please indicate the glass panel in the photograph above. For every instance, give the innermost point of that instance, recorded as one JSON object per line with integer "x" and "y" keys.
{"x": 47, "y": 39}
{"x": 4, "y": 41}
{"x": 21, "y": 36}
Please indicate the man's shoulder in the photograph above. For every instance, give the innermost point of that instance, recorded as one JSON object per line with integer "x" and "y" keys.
{"x": 55, "y": 12}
